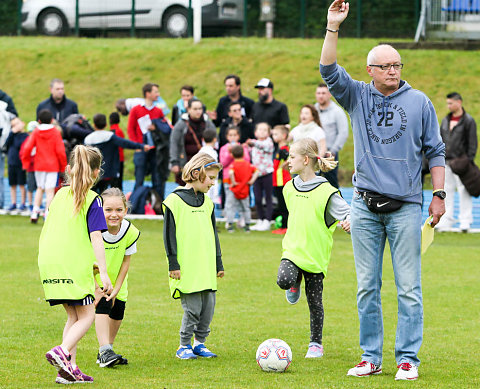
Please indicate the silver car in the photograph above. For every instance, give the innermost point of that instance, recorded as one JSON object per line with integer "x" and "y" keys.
{"x": 52, "y": 17}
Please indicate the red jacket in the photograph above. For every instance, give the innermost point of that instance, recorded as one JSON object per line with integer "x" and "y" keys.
{"x": 133, "y": 129}
{"x": 50, "y": 155}
{"x": 118, "y": 132}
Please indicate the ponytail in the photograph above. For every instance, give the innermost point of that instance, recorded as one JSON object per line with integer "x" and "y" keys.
{"x": 308, "y": 147}
{"x": 84, "y": 160}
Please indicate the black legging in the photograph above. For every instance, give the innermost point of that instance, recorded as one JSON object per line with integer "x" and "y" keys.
{"x": 288, "y": 275}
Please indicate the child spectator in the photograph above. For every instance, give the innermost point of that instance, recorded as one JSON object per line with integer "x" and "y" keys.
{"x": 70, "y": 242}
{"x": 315, "y": 207}
{"x": 281, "y": 174}
{"x": 120, "y": 244}
{"x": 242, "y": 176}
{"x": 209, "y": 146}
{"x": 50, "y": 159}
{"x": 31, "y": 183}
{"x": 114, "y": 120}
{"x": 226, "y": 158}
{"x": 16, "y": 175}
{"x": 310, "y": 127}
{"x": 262, "y": 159}
{"x": 108, "y": 143}
{"x": 193, "y": 252}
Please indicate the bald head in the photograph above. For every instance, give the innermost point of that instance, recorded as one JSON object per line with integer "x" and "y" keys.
{"x": 382, "y": 51}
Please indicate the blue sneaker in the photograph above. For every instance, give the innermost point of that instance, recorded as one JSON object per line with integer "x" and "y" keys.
{"x": 315, "y": 350}
{"x": 186, "y": 352}
{"x": 12, "y": 208}
{"x": 293, "y": 294}
{"x": 22, "y": 208}
{"x": 204, "y": 352}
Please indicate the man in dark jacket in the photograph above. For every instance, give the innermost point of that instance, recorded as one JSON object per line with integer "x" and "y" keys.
{"x": 267, "y": 109}
{"x": 459, "y": 133}
{"x": 234, "y": 94}
{"x": 57, "y": 103}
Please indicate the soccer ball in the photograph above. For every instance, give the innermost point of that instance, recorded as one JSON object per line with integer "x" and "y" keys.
{"x": 274, "y": 355}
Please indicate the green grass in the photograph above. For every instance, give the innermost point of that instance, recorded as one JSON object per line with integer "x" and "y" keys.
{"x": 99, "y": 71}
{"x": 250, "y": 308}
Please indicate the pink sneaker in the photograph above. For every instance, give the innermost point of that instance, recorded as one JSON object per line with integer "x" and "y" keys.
{"x": 63, "y": 381}
{"x": 82, "y": 378}
{"x": 58, "y": 359}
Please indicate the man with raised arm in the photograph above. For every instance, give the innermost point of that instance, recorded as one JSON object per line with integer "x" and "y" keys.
{"x": 393, "y": 125}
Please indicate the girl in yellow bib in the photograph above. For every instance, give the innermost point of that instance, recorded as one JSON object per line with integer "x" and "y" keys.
{"x": 120, "y": 244}
{"x": 193, "y": 252}
{"x": 70, "y": 243}
{"x": 314, "y": 208}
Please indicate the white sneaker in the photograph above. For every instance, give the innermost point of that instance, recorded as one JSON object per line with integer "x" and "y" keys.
{"x": 364, "y": 369}
{"x": 406, "y": 371}
{"x": 241, "y": 222}
{"x": 257, "y": 225}
{"x": 265, "y": 226}
{"x": 315, "y": 350}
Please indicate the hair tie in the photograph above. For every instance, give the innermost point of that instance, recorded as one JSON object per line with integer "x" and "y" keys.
{"x": 319, "y": 158}
{"x": 208, "y": 164}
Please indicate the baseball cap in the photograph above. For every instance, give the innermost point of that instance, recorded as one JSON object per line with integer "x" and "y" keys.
{"x": 264, "y": 83}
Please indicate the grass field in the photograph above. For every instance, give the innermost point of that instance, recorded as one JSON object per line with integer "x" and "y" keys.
{"x": 250, "y": 309}
{"x": 99, "y": 71}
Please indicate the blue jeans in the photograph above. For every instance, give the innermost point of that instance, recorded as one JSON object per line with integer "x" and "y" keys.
{"x": 369, "y": 231}
{"x": 145, "y": 162}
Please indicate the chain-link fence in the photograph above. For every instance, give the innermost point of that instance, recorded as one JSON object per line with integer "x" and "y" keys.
{"x": 292, "y": 18}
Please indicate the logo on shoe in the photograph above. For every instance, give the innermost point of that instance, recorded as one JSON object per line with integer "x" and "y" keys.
{"x": 58, "y": 281}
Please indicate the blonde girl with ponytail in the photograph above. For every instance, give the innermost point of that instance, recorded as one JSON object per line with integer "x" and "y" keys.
{"x": 314, "y": 208}
{"x": 70, "y": 246}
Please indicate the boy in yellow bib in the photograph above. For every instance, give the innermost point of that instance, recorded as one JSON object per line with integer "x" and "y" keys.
{"x": 314, "y": 208}
{"x": 193, "y": 252}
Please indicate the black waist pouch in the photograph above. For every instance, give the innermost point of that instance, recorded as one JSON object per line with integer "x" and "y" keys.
{"x": 378, "y": 203}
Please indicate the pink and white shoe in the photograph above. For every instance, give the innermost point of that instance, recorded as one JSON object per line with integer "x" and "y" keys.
{"x": 58, "y": 359}
{"x": 406, "y": 371}
{"x": 364, "y": 369}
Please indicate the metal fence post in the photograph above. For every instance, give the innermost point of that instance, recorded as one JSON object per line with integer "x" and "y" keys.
{"x": 19, "y": 17}
{"x": 245, "y": 14}
{"x": 190, "y": 19}
{"x": 77, "y": 27}
{"x": 132, "y": 27}
{"x": 302, "y": 18}
{"x": 359, "y": 18}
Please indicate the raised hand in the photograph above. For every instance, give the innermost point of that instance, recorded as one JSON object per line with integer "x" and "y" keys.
{"x": 337, "y": 13}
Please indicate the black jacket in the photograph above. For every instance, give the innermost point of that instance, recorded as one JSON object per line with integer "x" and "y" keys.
{"x": 60, "y": 111}
{"x": 246, "y": 131}
{"x": 223, "y": 108}
{"x": 462, "y": 139}
{"x": 272, "y": 113}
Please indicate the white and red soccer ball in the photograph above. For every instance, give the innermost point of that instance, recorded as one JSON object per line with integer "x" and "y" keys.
{"x": 274, "y": 355}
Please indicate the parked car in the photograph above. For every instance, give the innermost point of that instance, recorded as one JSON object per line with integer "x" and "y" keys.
{"x": 50, "y": 17}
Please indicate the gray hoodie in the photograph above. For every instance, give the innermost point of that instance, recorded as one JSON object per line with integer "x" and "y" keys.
{"x": 390, "y": 134}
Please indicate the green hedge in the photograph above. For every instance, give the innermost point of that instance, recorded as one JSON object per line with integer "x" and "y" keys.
{"x": 387, "y": 18}
{"x": 8, "y": 17}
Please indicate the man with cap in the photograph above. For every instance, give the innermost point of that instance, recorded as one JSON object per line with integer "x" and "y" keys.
{"x": 267, "y": 109}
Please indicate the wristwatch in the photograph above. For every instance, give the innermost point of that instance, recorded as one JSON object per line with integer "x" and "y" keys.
{"x": 440, "y": 193}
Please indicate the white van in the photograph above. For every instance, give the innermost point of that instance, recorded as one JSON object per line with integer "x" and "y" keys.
{"x": 53, "y": 18}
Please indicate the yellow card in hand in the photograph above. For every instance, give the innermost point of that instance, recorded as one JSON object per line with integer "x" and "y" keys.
{"x": 427, "y": 234}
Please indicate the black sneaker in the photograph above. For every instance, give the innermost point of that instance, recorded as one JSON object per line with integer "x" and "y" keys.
{"x": 108, "y": 358}
{"x": 123, "y": 361}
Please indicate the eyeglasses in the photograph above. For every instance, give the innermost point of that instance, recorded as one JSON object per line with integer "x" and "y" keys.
{"x": 388, "y": 66}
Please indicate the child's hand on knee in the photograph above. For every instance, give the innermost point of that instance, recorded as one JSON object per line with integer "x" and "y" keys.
{"x": 220, "y": 274}
{"x": 175, "y": 274}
